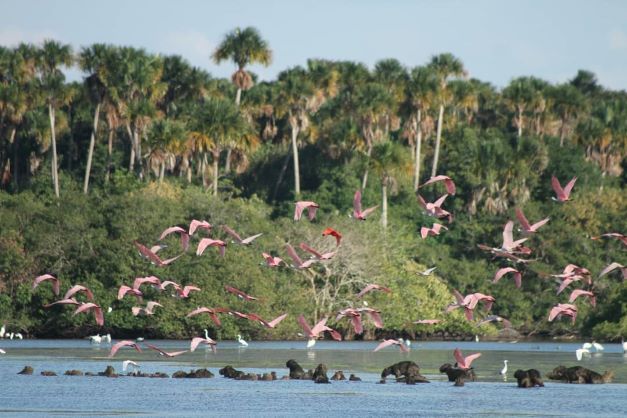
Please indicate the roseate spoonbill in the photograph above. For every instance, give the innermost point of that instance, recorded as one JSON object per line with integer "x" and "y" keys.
{"x": 164, "y": 284}
{"x": 267, "y": 324}
{"x": 562, "y": 195}
{"x": 238, "y": 239}
{"x": 526, "y": 226}
{"x": 578, "y": 292}
{"x": 148, "y": 310}
{"x": 184, "y": 293}
{"x": 208, "y": 242}
{"x": 317, "y": 255}
{"x": 334, "y": 233}
{"x": 314, "y": 333}
{"x": 311, "y": 207}
{"x": 469, "y": 303}
{"x": 503, "y": 371}
{"x": 448, "y": 183}
{"x": 509, "y": 244}
{"x": 357, "y": 212}
{"x": 124, "y": 289}
{"x": 195, "y": 224}
{"x": 239, "y": 293}
{"x": 177, "y": 230}
{"x": 464, "y": 362}
{"x": 131, "y": 363}
{"x": 213, "y": 313}
{"x": 55, "y": 282}
{"x": 200, "y": 340}
{"x": 78, "y": 288}
{"x": 427, "y": 272}
{"x": 154, "y": 258}
{"x": 497, "y": 252}
{"x": 156, "y": 248}
{"x": 433, "y": 231}
{"x": 503, "y": 271}
{"x": 298, "y": 262}
{"x": 241, "y": 341}
{"x": 566, "y": 282}
{"x": 622, "y": 238}
{"x": 165, "y": 353}
{"x": 97, "y": 310}
{"x": 495, "y": 318}
{"x": 70, "y": 301}
{"x": 427, "y": 321}
{"x": 372, "y": 287}
{"x": 124, "y": 343}
{"x": 374, "y": 314}
{"x": 434, "y": 209}
{"x": 272, "y": 261}
{"x": 355, "y": 317}
{"x": 387, "y": 343}
{"x": 612, "y": 267}
{"x": 153, "y": 280}
{"x": 563, "y": 309}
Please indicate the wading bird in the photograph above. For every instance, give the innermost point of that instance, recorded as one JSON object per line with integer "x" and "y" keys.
{"x": 612, "y": 267}
{"x": 526, "y": 226}
{"x": 212, "y": 312}
{"x": 434, "y": 209}
{"x": 272, "y": 261}
{"x": 124, "y": 289}
{"x": 76, "y": 289}
{"x": 433, "y": 231}
{"x": 503, "y": 271}
{"x": 148, "y": 310}
{"x": 184, "y": 293}
{"x": 464, "y": 362}
{"x": 195, "y": 225}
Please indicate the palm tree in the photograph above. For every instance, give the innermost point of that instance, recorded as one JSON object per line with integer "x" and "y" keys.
{"x": 243, "y": 47}
{"x": 421, "y": 90}
{"x": 93, "y": 60}
{"x": 165, "y": 142}
{"x": 445, "y": 66}
{"x": 519, "y": 96}
{"x": 393, "y": 77}
{"x": 52, "y": 56}
{"x": 568, "y": 103}
{"x": 388, "y": 161}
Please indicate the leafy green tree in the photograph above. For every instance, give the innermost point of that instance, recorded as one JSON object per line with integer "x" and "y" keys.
{"x": 388, "y": 161}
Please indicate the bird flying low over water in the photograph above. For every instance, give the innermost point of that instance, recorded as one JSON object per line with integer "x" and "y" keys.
{"x": 334, "y": 233}
{"x": 124, "y": 343}
{"x": 448, "y": 183}
{"x": 464, "y": 362}
{"x": 387, "y": 343}
{"x": 96, "y": 309}
{"x": 357, "y": 212}
{"x": 562, "y": 195}
{"x": 199, "y": 340}
{"x": 238, "y": 239}
{"x": 267, "y": 324}
{"x": 208, "y": 242}
{"x": 563, "y": 309}
{"x": 166, "y": 353}
{"x": 526, "y": 226}
{"x": 148, "y": 310}
{"x": 469, "y": 303}
{"x": 317, "y": 330}
{"x": 56, "y": 283}
{"x": 503, "y": 271}
{"x": 154, "y": 258}
{"x": 311, "y": 207}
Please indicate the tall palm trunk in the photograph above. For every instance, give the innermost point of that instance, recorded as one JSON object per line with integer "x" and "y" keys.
{"x": 364, "y": 180}
{"x": 55, "y": 173}
{"x": 296, "y": 163}
{"x": 229, "y": 150}
{"x": 216, "y": 160}
{"x": 286, "y": 161}
{"x": 131, "y": 163}
{"x": 90, "y": 153}
{"x": 418, "y": 146}
{"x": 436, "y": 154}
{"x": 384, "y": 203}
{"x": 15, "y": 157}
{"x": 520, "y": 122}
{"x": 109, "y": 154}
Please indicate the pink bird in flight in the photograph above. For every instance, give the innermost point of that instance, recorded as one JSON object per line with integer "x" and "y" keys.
{"x": 562, "y": 195}
{"x": 316, "y": 254}
{"x": 212, "y": 312}
{"x": 208, "y": 242}
{"x": 153, "y": 257}
{"x": 579, "y": 292}
{"x": 433, "y": 231}
{"x": 197, "y": 225}
{"x": 238, "y": 239}
{"x": 435, "y": 209}
{"x": 123, "y": 343}
{"x": 166, "y": 353}
{"x": 317, "y": 330}
{"x": 56, "y": 283}
{"x": 148, "y": 310}
{"x": 526, "y": 226}
{"x": 199, "y": 340}
{"x": 371, "y": 287}
{"x": 464, "y": 362}
{"x": 357, "y": 212}
{"x": 311, "y": 207}
{"x": 239, "y": 293}
{"x": 298, "y": 262}
{"x": 333, "y": 233}
{"x": 177, "y": 230}
{"x": 272, "y": 261}
{"x": 503, "y": 271}
{"x": 96, "y": 309}
{"x": 79, "y": 288}
{"x": 448, "y": 183}
{"x": 563, "y": 309}
{"x": 387, "y": 343}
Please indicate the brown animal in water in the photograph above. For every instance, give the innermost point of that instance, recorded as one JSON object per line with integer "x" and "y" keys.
{"x": 320, "y": 374}
{"x": 454, "y": 373}
{"x": 528, "y": 378}
{"x": 296, "y": 372}
{"x": 406, "y": 371}
{"x": 578, "y": 374}
{"x": 339, "y": 375}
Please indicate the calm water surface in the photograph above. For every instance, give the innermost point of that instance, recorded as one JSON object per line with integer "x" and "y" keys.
{"x": 490, "y": 396}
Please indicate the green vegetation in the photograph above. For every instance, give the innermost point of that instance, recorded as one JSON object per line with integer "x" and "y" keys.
{"x": 147, "y": 142}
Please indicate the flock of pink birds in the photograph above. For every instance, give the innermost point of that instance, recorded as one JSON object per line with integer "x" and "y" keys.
{"x": 511, "y": 249}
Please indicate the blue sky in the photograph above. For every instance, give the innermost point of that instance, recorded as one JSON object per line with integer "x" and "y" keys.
{"x": 496, "y": 40}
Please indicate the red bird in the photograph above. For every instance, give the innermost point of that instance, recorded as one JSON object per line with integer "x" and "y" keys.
{"x": 334, "y": 233}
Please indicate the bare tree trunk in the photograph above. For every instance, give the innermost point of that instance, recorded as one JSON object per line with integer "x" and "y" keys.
{"x": 296, "y": 163}
{"x": 286, "y": 161}
{"x": 364, "y": 180}
{"x": 55, "y": 173}
{"x": 131, "y": 164}
{"x": 14, "y": 143}
{"x": 436, "y": 154}
{"x": 216, "y": 161}
{"x": 109, "y": 155}
{"x": 90, "y": 153}
{"x": 203, "y": 170}
{"x": 229, "y": 150}
{"x": 418, "y": 146}
{"x": 520, "y": 122}
{"x": 161, "y": 172}
{"x": 384, "y": 203}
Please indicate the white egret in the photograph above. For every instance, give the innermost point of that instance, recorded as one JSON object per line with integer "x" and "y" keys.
{"x": 95, "y": 339}
{"x": 504, "y": 370}
{"x": 241, "y": 341}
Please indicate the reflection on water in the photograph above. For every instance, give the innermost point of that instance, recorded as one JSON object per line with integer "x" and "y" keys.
{"x": 69, "y": 395}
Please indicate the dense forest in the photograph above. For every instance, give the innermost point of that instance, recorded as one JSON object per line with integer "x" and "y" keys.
{"x": 146, "y": 142}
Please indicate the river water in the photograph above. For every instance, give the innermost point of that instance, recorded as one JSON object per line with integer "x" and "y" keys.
{"x": 37, "y": 395}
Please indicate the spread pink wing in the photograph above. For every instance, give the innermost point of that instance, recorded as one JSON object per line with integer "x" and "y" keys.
{"x": 198, "y": 311}
{"x": 376, "y": 318}
{"x": 152, "y": 305}
{"x": 298, "y": 211}
{"x": 508, "y": 237}
{"x": 251, "y": 238}
{"x": 70, "y": 301}
{"x": 569, "y": 187}
{"x": 366, "y": 290}
{"x": 357, "y": 204}
{"x": 458, "y": 296}
{"x": 232, "y": 233}
{"x": 143, "y": 250}
{"x": 320, "y": 327}
{"x": 311, "y": 211}
{"x": 538, "y": 224}
{"x": 609, "y": 268}
{"x": 206, "y": 242}
{"x": 557, "y": 188}
{"x": 357, "y": 325}
{"x": 135, "y": 310}
{"x": 368, "y": 211}
{"x": 424, "y": 232}
{"x": 501, "y": 272}
{"x": 304, "y": 325}
{"x": 385, "y": 343}
{"x": 422, "y": 202}
{"x": 55, "y": 282}
{"x": 292, "y": 253}
{"x": 335, "y": 335}
{"x": 172, "y": 230}
{"x": 522, "y": 219}
{"x": 195, "y": 224}
{"x": 276, "y": 320}
{"x": 194, "y": 344}
{"x": 459, "y": 358}
{"x": 469, "y": 359}
{"x": 440, "y": 201}
{"x": 307, "y": 248}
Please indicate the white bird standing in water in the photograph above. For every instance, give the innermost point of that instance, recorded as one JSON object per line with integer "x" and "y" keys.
{"x": 3, "y": 331}
{"x": 106, "y": 338}
{"x": 2, "y": 351}
{"x": 594, "y": 346}
{"x": 241, "y": 341}
{"x": 504, "y": 370}
{"x": 624, "y": 344}
{"x": 95, "y": 339}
